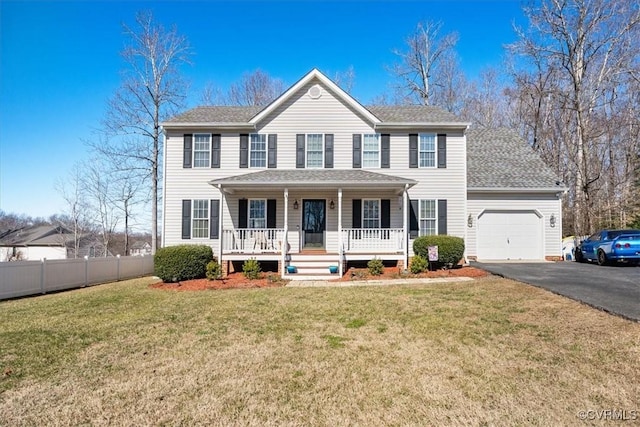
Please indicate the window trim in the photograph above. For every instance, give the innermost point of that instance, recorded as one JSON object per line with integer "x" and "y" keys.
{"x": 306, "y": 150}
{"x": 379, "y": 151}
{"x": 193, "y": 155}
{"x": 264, "y": 201}
{"x": 251, "y": 150}
{"x": 206, "y": 219}
{"x": 435, "y": 151}
{"x": 362, "y": 211}
{"x": 421, "y": 230}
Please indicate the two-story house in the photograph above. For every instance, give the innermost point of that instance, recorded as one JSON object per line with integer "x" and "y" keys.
{"x": 317, "y": 179}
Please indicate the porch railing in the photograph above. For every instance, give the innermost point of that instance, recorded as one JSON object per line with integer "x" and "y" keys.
{"x": 374, "y": 240}
{"x": 252, "y": 240}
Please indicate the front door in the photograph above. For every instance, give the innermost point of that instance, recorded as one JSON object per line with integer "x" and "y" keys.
{"x": 313, "y": 223}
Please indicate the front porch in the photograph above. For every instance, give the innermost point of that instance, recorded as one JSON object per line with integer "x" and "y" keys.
{"x": 339, "y": 216}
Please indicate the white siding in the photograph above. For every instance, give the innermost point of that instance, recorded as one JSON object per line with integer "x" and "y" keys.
{"x": 544, "y": 203}
{"x": 303, "y": 114}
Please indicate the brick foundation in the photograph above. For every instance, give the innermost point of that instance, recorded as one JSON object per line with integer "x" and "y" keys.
{"x": 554, "y": 258}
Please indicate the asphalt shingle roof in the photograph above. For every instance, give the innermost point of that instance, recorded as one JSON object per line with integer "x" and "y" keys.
{"x": 307, "y": 176}
{"x": 386, "y": 113}
{"x": 217, "y": 114}
{"x": 412, "y": 114}
{"x": 499, "y": 158}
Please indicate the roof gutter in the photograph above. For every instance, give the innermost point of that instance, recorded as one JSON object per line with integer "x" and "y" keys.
{"x": 417, "y": 125}
{"x": 557, "y": 189}
{"x": 203, "y": 125}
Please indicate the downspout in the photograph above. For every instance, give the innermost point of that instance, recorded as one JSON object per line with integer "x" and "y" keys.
{"x": 164, "y": 187}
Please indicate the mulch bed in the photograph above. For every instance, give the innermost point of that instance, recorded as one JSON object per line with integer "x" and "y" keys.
{"x": 272, "y": 280}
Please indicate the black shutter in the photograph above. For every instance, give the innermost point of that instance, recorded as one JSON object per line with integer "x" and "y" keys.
{"x": 273, "y": 151}
{"x": 385, "y": 151}
{"x": 186, "y": 158}
{"x": 242, "y": 213}
{"x": 300, "y": 150}
{"x": 244, "y": 150}
{"x": 385, "y": 213}
{"x": 215, "y": 151}
{"x": 214, "y": 223}
{"x": 357, "y": 150}
{"x": 442, "y": 216}
{"x": 414, "y": 227}
{"x": 413, "y": 150}
{"x": 442, "y": 150}
{"x": 271, "y": 213}
{"x": 186, "y": 219}
{"x": 328, "y": 150}
{"x": 356, "y": 214}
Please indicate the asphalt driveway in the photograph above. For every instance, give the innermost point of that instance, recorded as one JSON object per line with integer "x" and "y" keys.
{"x": 615, "y": 289}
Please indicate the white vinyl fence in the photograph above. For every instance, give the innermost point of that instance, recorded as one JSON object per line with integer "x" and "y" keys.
{"x": 21, "y": 278}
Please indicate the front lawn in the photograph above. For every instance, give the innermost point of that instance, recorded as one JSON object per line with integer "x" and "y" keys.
{"x": 486, "y": 352}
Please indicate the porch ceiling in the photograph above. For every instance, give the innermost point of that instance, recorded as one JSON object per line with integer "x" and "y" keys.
{"x": 296, "y": 178}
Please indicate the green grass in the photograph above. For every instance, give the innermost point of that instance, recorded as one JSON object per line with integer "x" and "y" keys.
{"x": 490, "y": 351}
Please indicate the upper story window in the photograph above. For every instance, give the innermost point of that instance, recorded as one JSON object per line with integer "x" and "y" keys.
{"x": 201, "y": 150}
{"x": 200, "y": 219}
{"x": 371, "y": 150}
{"x": 258, "y": 150}
{"x": 315, "y": 150}
{"x": 427, "y": 217}
{"x": 370, "y": 213}
{"x": 427, "y": 150}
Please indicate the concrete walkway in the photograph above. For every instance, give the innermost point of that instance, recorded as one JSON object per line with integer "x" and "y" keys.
{"x": 380, "y": 282}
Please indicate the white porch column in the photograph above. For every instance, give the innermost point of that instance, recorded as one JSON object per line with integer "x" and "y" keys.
{"x": 340, "y": 247}
{"x": 285, "y": 237}
{"x": 220, "y": 222}
{"x": 405, "y": 229}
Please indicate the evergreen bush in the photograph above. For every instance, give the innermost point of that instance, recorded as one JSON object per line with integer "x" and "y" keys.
{"x": 450, "y": 249}
{"x": 182, "y": 262}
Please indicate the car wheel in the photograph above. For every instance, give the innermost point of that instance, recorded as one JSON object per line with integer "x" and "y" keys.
{"x": 602, "y": 258}
{"x": 579, "y": 257}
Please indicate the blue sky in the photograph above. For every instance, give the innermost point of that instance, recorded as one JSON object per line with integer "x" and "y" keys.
{"x": 59, "y": 63}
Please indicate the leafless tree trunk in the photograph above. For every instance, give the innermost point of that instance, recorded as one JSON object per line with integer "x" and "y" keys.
{"x": 74, "y": 193}
{"x": 426, "y": 63}
{"x": 255, "y": 89}
{"x": 151, "y": 91}
{"x": 99, "y": 192}
{"x": 588, "y": 47}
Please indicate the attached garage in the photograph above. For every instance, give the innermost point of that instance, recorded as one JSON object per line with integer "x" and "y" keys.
{"x": 510, "y": 235}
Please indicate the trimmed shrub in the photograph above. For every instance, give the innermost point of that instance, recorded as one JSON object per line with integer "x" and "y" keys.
{"x": 375, "y": 266}
{"x": 214, "y": 270}
{"x": 450, "y": 249}
{"x": 182, "y": 262}
{"x": 251, "y": 269}
{"x": 418, "y": 264}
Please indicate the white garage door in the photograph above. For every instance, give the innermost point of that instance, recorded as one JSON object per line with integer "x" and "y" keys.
{"x": 510, "y": 235}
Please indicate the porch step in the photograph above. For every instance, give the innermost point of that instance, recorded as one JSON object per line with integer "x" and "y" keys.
{"x": 313, "y": 266}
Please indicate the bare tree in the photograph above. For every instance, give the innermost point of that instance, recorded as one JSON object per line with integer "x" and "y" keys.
{"x": 585, "y": 50}
{"x": 255, "y": 89}
{"x": 345, "y": 79}
{"x": 101, "y": 199}
{"x": 485, "y": 101}
{"x": 211, "y": 95}
{"x": 73, "y": 192}
{"x": 426, "y": 63}
{"x": 151, "y": 91}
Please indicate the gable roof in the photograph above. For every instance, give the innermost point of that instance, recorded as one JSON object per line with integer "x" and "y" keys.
{"x": 37, "y": 235}
{"x": 388, "y": 116}
{"x": 499, "y": 160}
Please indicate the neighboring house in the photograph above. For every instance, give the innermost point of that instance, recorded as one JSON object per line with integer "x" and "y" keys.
{"x": 34, "y": 243}
{"x": 317, "y": 179}
{"x": 140, "y": 248}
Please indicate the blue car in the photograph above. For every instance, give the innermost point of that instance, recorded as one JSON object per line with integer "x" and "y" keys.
{"x": 607, "y": 246}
